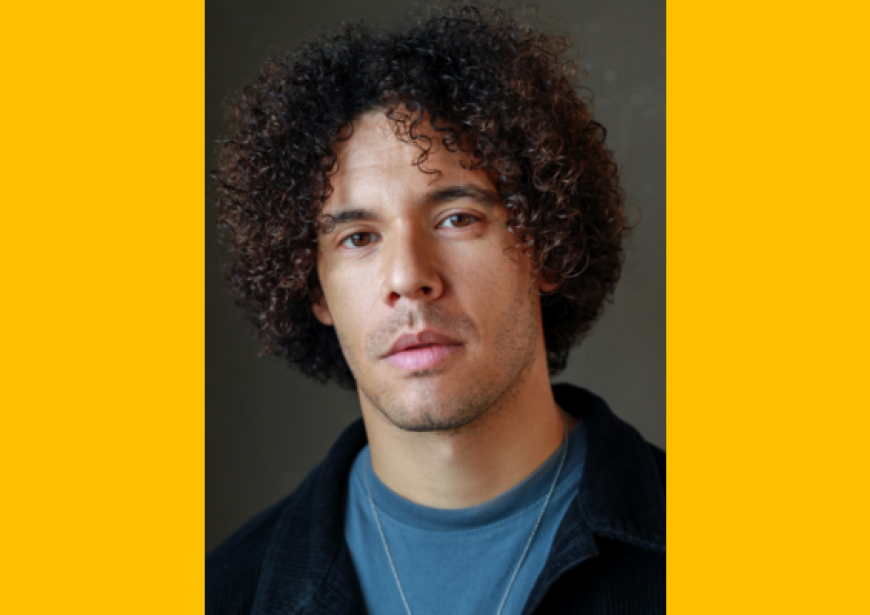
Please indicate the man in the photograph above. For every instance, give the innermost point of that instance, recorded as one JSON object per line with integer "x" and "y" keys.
{"x": 431, "y": 217}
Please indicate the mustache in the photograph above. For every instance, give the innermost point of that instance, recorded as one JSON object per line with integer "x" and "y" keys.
{"x": 424, "y": 316}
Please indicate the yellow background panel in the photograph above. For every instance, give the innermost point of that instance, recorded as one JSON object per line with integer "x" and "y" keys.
{"x": 101, "y": 446}
{"x": 767, "y": 307}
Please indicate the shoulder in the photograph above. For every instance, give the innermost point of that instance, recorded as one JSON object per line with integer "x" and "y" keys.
{"x": 659, "y": 456}
{"x": 232, "y": 570}
{"x": 286, "y": 537}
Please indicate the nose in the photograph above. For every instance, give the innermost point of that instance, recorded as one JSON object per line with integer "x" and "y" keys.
{"x": 412, "y": 268}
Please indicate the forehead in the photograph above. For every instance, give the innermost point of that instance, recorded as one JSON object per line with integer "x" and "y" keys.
{"x": 374, "y": 143}
{"x": 375, "y": 160}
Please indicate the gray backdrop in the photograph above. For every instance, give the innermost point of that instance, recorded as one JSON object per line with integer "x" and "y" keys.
{"x": 266, "y": 426}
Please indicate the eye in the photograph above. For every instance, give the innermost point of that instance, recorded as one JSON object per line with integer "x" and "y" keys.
{"x": 358, "y": 240}
{"x": 457, "y": 221}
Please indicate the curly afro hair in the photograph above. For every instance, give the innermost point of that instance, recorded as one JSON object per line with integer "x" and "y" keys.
{"x": 494, "y": 88}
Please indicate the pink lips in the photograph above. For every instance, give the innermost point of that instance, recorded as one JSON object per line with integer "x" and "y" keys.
{"x": 421, "y": 351}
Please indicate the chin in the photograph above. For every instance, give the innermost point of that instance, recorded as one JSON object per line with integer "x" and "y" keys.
{"x": 427, "y": 421}
{"x": 432, "y": 408}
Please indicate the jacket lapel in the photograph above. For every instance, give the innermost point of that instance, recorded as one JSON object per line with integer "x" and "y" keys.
{"x": 621, "y": 494}
{"x": 308, "y": 567}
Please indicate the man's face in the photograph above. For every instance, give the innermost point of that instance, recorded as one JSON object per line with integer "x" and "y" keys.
{"x": 435, "y": 313}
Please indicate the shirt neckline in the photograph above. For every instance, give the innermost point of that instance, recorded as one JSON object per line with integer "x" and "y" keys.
{"x": 527, "y": 494}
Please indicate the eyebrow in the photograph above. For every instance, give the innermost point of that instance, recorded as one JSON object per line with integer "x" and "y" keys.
{"x": 483, "y": 196}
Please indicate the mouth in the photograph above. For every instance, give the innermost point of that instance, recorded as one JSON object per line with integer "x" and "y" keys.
{"x": 421, "y": 351}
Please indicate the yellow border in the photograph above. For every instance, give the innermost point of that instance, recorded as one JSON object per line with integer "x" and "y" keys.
{"x": 102, "y": 252}
{"x": 767, "y": 307}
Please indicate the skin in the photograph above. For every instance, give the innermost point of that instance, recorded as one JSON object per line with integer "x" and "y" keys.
{"x": 411, "y": 252}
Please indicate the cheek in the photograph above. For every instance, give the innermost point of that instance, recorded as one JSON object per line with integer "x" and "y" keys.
{"x": 349, "y": 295}
{"x": 487, "y": 281}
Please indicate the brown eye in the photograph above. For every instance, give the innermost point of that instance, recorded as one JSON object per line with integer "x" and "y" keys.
{"x": 357, "y": 240}
{"x": 457, "y": 221}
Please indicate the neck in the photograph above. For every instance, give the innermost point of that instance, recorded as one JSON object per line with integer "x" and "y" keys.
{"x": 473, "y": 464}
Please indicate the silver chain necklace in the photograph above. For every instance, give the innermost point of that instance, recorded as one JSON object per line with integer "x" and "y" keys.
{"x": 525, "y": 550}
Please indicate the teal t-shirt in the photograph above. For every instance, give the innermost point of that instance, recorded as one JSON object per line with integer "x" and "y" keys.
{"x": 457, "y": 561}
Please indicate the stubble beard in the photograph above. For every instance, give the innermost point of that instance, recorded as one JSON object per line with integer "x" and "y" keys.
{"x": 498, "y": 384}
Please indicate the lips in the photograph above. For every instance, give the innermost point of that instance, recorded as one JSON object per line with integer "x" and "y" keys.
{"x": 421, "y": 351}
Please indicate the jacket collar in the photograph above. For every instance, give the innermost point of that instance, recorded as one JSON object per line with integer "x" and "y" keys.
{"x": 308, "y": 569}
{"x": 621, "y": 494}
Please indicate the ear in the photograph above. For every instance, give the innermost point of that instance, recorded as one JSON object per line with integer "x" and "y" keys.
{"x": 320, "y": 309}
{"x": 546, "y": 287}
{"x": 546, "y": 283}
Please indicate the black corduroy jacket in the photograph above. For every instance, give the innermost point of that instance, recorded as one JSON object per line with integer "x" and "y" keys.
{"x": 608, "y": 555}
